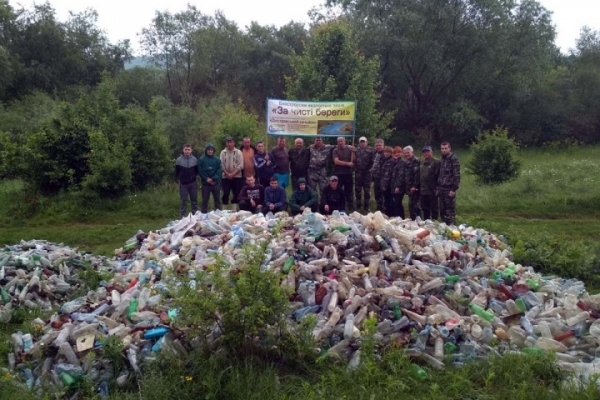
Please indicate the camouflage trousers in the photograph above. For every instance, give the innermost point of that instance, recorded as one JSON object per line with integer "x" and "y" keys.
{"x": 414, "y": 207}
{"x": 362, "y": 183}
{"x": 317, "y": 179}
{"x": 447, "y": 207}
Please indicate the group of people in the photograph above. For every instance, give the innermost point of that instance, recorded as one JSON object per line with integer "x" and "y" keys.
{"x": 256, "y": 180}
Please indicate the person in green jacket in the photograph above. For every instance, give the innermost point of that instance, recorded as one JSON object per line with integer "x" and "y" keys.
{"x": 209, "y": 169}
{"x": 302, "y": 198}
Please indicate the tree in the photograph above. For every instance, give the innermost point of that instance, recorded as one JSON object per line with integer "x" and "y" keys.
{"x": 331, "y": 68}
{"x": 437, "y": 53}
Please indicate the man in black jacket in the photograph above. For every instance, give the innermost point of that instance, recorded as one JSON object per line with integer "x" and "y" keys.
{"x": 186, "y": 170}
{"x": 332, "y": 198}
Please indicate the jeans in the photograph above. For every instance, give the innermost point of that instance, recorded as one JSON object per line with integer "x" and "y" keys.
{"x": 191, "y": 190}
{"x": 207, "y": 190}
{"x": 232, "y": 186}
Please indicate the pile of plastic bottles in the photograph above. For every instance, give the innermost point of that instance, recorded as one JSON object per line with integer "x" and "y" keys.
{"x": 448, "y": 294}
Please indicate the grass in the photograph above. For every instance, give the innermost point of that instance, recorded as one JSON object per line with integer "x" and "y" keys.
{"x": 549, "y": 215}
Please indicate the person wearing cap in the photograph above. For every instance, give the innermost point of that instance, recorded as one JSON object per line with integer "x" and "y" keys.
{"x": 186, "y": 170}
{"x": 320, "y": 154}
{"x": 429, "y": 174}
{"x": 251, "y": 196}
{"x": 365, "y": 156}
{"x": 275, "y": 197}
{"x": 343, "y": 164}
{"x": 376, "y": 173}
{"x": 299, "y": 159}
{"x": 333, "y": 198}
{"x": 412, "y": 180}
{"x": 209, "y": 169}
{"x": 281, "y": 161}
{"x": 232, "y": 161}
{"x": 302, "y": 198}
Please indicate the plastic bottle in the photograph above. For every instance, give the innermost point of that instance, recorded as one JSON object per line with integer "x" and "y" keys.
{"x": 66, "y": 350}
{"x": 349, "y": 327}
{"x": 488, "y": 316}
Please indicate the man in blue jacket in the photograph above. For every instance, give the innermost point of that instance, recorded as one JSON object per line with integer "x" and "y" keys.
{"x": 186, "y": 170}
{"x": 209, "y": 169}
{"x": 275, "y": 198}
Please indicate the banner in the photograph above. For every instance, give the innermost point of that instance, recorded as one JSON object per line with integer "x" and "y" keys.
{"x": 305, "y": 118}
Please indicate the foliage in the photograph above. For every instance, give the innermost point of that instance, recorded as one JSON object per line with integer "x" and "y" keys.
{"x": 94, "y": 144}
{"x": 229, "y": 306}
{"x": 237, "y": 123}
{"x": 331, "y": 68}
{"x": 494, "y": 158}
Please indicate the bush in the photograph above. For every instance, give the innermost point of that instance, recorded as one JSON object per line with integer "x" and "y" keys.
{"x": 237, "y": 123}
{"x": 231, "y": 306}
{"x": 493, "y": 158}
{"x": 95, "y": 145}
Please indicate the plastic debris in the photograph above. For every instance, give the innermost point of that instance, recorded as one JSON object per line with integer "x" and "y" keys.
{"x": 448, "y": 294}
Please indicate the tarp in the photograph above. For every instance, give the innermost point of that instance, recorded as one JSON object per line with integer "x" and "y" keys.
{"x": 307, "y": 118}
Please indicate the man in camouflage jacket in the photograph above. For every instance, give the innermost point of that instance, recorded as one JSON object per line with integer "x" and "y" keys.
{"x": 412, "y": 180}
{"x": 362, "y": 173}
{"x": 320, "y": 154}
{"x": 376, "y": 173}
{"x": 430, "y": 172}
{"x": 448, "y": 184}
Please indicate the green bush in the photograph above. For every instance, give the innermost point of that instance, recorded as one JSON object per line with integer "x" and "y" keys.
{"x": 94, "y": 145}
{"x": 493, "y": 160}
{"x": 237, "y": 123}
{"x": 230, "y": 306}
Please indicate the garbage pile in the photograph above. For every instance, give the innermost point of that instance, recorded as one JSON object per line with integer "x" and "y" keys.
{"x": 448, "y": 294}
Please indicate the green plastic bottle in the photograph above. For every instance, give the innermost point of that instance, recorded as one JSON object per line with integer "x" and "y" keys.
{"x": 533, "y": 284}
{"x": 67, "y": 379}
{"x": 520, "y": 305}
{"x": 342, "y": 228}
{"x": 133, "y": 306}
{"x": 420, "y": 372}
{"x": 477, "y": 310}
{"x": 450, "y": 348}
{"x": 4, "y": 296}
{"x": 289, "y": 263}
{"x": 452, "y": 278}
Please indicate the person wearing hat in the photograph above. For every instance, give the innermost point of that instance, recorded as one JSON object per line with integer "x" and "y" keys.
{"x": 429, "y": 174}
{"x": 365, "y": 156}
{"x": 232, "y": 162}
{"x": 302, "y": 198}
{"x": 333, "y": 197}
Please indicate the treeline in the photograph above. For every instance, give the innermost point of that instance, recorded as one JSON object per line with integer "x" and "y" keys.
{"x": 421, "y": 71}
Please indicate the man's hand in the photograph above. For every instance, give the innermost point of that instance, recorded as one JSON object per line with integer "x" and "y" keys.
{"x": 412, "y": 190}
{"x": 350, "y": 164}
{"x": 302, "y": 208}
{"x": 210, "y": 181}
{"x": 326, "y": 208}
{"x": 253, "y": 202}
{"x": 397, "y": 190}
{"x": 452, "y": 193}
{"x": 437, "y": 192}
{"x": 271, "y": 207}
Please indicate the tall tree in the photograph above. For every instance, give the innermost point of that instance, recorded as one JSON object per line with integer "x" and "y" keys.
{"x": 331, "y": 68}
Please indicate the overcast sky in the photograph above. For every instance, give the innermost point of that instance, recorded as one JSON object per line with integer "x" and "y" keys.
{"x": 124, "y": 19}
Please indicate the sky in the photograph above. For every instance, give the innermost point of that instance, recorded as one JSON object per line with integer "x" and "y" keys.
{"x": 124, "y": 19}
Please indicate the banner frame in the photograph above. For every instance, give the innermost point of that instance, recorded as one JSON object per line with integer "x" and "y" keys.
{"x": 353, "y": 135}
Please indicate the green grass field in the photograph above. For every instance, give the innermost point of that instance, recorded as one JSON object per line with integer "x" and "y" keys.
{"x": 549, "y": 214}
